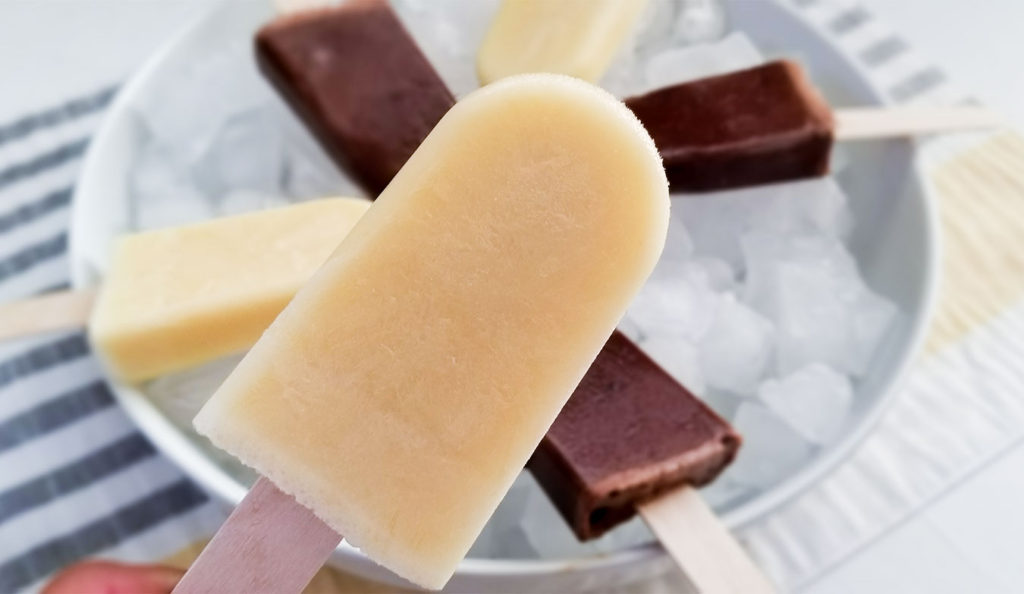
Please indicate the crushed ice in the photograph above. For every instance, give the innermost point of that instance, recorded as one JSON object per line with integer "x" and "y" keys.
{"x": 756, "y": 305}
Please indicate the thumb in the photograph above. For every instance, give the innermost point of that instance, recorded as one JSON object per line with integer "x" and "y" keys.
{"x": 105, "y": 577}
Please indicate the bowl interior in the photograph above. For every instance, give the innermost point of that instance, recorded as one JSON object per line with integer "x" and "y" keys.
{"x": 893, "y": 241}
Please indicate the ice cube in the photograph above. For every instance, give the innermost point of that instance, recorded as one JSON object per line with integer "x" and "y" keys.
{"x": 163, "y": 192}
{"x": 449, "y": 32}
{"x": 185, "y": 119}
{"x": 651, "y": 34}
{"x": 823, "y": 311}
{"x": 307, "y": 171}
{"x": 769, "y": 254}
{"x": 654, "y": 29}
{"x": 814, "y": 401}
{"x": 682, "y": 64}
{"x": 179, "y": 399}
{"x": 497, "y": 539}
{"x": 548, "y": 536}
{"x": 724, "y": 491}
{"x": 771, "y": 449}
{"x": 813, "y": 319}
{"x": 718, "y": 220}
{"x": 304, "y": 177}
{"x": 672, "y": 302}
{"x": 672, "y": 307}
{"x": 839, "y": 159}
{"x": 156, "y": 170}
{"x": 624, "y": 77}
{"x": 735, "y": 351}
{"x": 180, "y": 395}
{"x": 547, "y": 532}
{"x": 207, "y": 134}
{"x": 678, "y": 244}
{"x": 724, "y": 402}
{"x": 631, "y": 329}
{"x": 679, "y": 358}
{"x": 243, "y": 201}
{"x": 712, "y": 272}
{"x": 872, "y": 317}
{"x": 244, "y": 153}
{"x": 633, "y": 533}
{"x": 700, "y": 21}
{"x": 235, "y": 203}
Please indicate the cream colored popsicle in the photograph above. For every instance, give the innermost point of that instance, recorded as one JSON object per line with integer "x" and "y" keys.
{"x": 406, "y": 385}
{"x": 574, "y": 37}
{"x": 185, "y": 295}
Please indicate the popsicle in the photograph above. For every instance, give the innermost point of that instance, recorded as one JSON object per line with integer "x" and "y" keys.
{"x": 749, "y": 127}
{"x": 408, "y": 382}
{"x": 632, "y": 440}
{"x": 360, "y": 83}
{"x": 574, "y": 37}
{"x": 185, "y": 295}
{"x": 768, "y": 124}
{"x": 628, "y": 434}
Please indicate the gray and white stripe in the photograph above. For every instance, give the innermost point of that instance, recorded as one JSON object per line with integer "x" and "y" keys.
{"x": 61, "y": 114}
{"x": 76, "y": 477}
{"x": 892, "y": 63}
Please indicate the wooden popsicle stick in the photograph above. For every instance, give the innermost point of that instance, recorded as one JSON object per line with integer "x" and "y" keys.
{"x": 269, "y": 543}
{"x": 64, "y": 310}
{"x": 863, "y": 123}
{"x": 702, "y": 546}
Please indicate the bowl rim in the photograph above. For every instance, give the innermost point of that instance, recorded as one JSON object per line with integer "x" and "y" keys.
{"x": 201, "y": 469}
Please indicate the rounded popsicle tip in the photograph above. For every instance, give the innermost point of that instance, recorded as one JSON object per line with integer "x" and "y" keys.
{"x": 577, "y": 92}
{"x": 586, "y": 131}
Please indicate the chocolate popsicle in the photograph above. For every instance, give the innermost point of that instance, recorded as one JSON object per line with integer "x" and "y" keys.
{"x": 628, "y": 434}
{"x": 360, "y": 83}
{"x": 755, "y": 126}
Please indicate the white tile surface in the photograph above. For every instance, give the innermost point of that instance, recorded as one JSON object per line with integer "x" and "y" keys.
{"x": 966, "y": 541}
{"x": 984, "y": 519}
{"x": 916, "y": 558}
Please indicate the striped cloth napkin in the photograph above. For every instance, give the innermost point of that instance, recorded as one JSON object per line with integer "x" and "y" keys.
{"x": 77, "y": 479}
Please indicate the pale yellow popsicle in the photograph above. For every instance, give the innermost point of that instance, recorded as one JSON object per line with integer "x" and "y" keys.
{"x": 403, "y": 389}
{"x": 186, "y": 295}
{"x": 574, "y": 37}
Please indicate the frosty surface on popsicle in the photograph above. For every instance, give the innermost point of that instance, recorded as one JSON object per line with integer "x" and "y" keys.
{"x": 574, "y": 37}
{"x": 358, "y": 81}
{"x": 629, "y": 433}
{"x": 755, "y": 126}
{"x": 406, "y": 385}
{"x": 186, "y": 295}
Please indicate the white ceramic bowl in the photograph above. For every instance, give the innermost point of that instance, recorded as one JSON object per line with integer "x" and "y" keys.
{"x": 894, "y": 242}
